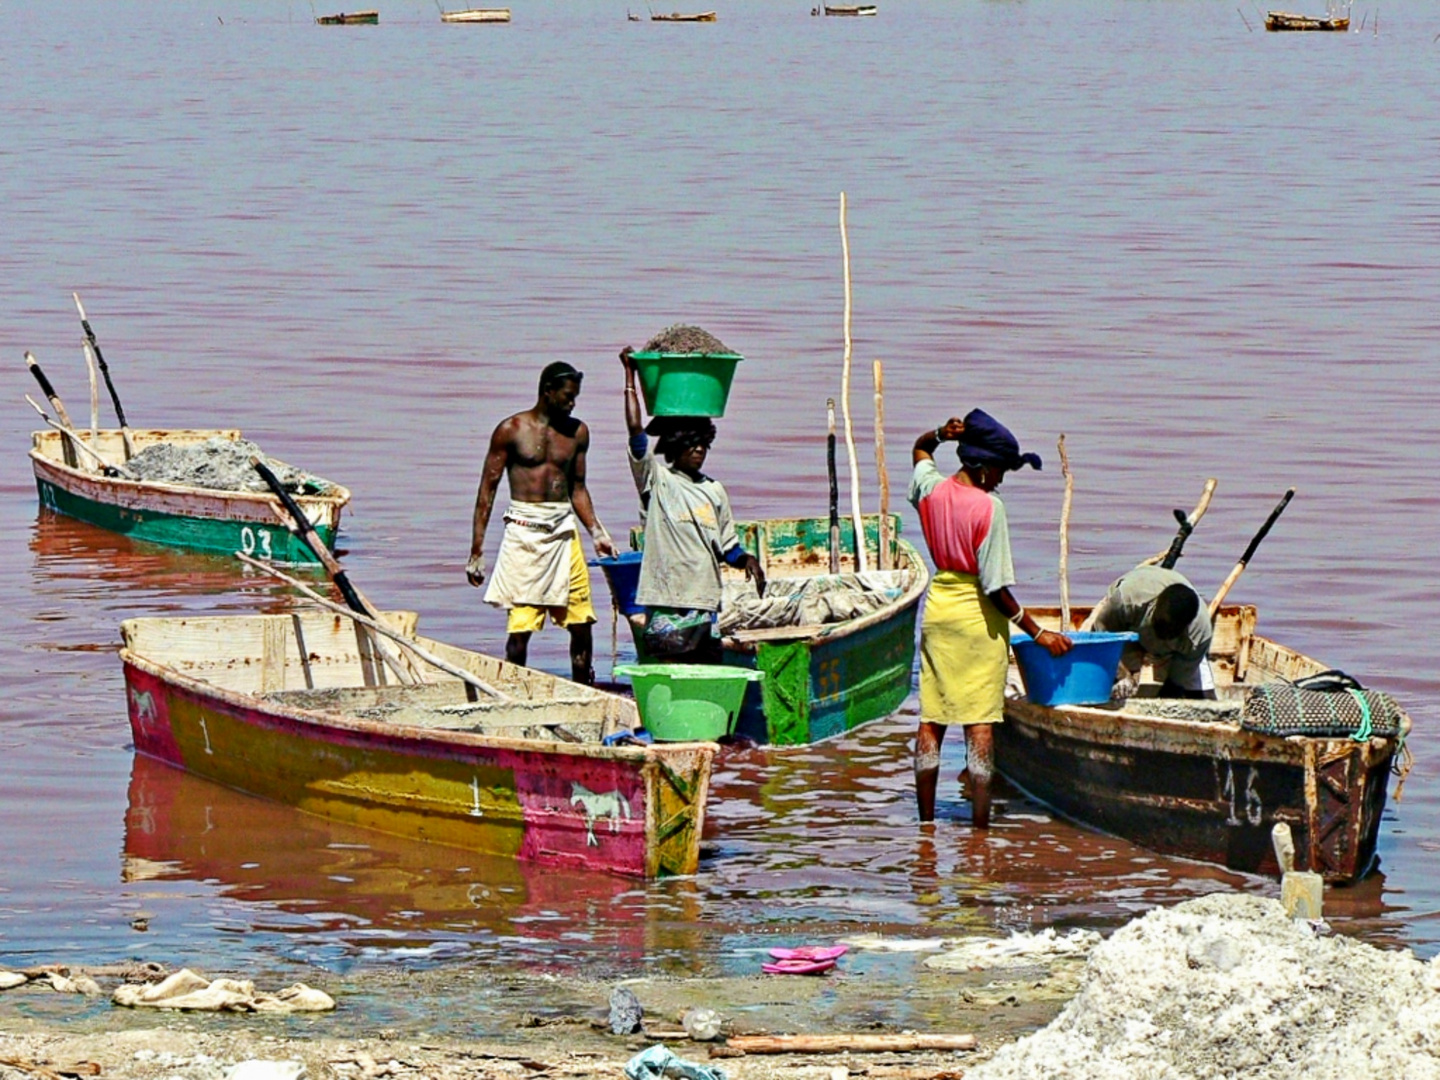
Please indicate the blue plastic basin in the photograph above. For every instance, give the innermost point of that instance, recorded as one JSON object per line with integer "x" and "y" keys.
{"x": 622, "y": 573}
{"x": 1083, "y": 676}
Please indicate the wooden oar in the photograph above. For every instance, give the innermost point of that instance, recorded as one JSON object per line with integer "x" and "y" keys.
{"x": 371, "y": 624}
{"x": 298, "y": 523}
{"x": 834, "y": 489}
{"x": 1187, "y": 522}
{"x": 105, "y": 371}
{"x": 1249, "y": 551}
{"x": 80, "y": 444}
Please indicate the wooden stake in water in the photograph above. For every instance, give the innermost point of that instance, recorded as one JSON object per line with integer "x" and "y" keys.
{"x": 861, "y": 564}
{"x": 883, "y": 559}
{"x": 1065, "y": 538}
{"x": 834, "y": 488}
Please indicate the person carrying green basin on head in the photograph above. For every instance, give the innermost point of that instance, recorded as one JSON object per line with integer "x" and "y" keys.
{"x": 689, "y": 533}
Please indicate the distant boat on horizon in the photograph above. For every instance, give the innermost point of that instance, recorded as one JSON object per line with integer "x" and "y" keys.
{"x": 476, "y": 15}
{"x": 352, "y": 18}
{"x": 675, "y": 16}
{"x": 1286, "y": 20}
{"x": 846, "y": 9}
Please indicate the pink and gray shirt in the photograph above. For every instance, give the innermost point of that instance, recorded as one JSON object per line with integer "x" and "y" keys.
{"x": 965, "y": 527}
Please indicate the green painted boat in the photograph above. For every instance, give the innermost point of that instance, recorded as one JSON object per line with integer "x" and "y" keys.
{"x": 826, "y": 679}
{"x": 201, "y": 519}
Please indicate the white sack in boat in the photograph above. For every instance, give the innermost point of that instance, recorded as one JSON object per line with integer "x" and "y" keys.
{"x": 808, "y": 601}
{"x": 187, "y": 990}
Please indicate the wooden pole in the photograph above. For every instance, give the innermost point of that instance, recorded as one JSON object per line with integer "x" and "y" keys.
{"x": 94, "y": 395}
{"x": 861, "y": 563}
{"x": 1171, "y": 555}
{"x": 51, "y": 396}
{"x": 838, "y": 1044}
{"x": 1065, "y": 538}
{"x": 1249, "y": 551}
{"x": 379, "y": 628}
{"x": 109, "y": 385}
{"x": 883, "y": 558}
{"x": 834, "y": 489}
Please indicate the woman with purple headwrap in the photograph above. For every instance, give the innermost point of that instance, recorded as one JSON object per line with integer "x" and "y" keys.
{"x": 965, "y": 634}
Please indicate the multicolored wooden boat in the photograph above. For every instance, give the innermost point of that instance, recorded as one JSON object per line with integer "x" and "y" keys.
{"x": 1285, "y": 20}
{"x": 476, "y": 15}
{"x": 203, "y": 519}
{"x": 1184, "y": 778}
{"x": 350, "y": 18}
{"x": 821, "y": 680}
{"x": 278, "y": 706}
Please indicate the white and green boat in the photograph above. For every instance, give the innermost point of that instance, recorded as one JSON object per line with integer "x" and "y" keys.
{"x": 202, "y": 519}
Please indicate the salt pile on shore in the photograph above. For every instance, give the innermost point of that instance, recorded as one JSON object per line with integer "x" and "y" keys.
{"x": 1228, "y": 987}
{"x": 218, "y": 464}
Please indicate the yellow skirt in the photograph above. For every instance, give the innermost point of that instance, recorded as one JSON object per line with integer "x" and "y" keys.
{"x": 964, "y": 653}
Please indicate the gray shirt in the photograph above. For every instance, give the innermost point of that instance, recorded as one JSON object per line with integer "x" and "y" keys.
{"x": 1130, "y": 605}
{"x": 688, "y": 530}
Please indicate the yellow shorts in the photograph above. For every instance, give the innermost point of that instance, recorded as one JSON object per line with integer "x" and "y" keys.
{"x": 524, "y": 619}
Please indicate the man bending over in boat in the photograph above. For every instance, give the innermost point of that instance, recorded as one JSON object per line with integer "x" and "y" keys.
{"x": 541, "y": 566}
{"x": 688, "y": 533}
{"x": 965, "y": 636}
{"x": 1174, "y": 627}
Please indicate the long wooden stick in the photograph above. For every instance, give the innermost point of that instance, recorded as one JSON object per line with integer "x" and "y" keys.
{"x": 1191, "y": 520}
{"x": 1065, "y": 538}
{"x": 379, "y": 628}
{"x": 51, "y": 396}
{"x": 861, "y": 563}
{"x": 109, "y": 384}
{"x": 836, "y": 1044}
{"x": 94, "y": 393}
{"x": 834, "y": 488}
{"x": 1249, "y": 551}
{"x": 883, "y": 558}
{"x": 80, "y": 444}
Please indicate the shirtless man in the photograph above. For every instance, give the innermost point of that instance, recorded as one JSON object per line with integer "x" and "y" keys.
{"x": 541, "y": 565}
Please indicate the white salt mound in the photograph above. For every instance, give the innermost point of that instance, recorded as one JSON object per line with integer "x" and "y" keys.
{"x": 1228, "y": 987}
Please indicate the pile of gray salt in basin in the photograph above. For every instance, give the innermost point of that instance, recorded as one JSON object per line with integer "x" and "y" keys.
{"x": 686, "y": 339}
{"x": 1227, "y": 987}
{"x": 220, "y": 465}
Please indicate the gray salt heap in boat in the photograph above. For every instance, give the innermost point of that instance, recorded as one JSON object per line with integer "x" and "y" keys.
{"x": 220, "y": 465}
{"x": 1227, "y": 986}
{"x": 686, "y": 339}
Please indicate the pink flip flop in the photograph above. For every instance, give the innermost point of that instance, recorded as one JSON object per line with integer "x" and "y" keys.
{"x": 797, "y": 966}
{"x": 811, "y": 952}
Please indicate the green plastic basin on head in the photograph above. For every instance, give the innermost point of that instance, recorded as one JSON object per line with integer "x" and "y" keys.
{"x": 688, "y": 702}
{"x": 685, "y": 384}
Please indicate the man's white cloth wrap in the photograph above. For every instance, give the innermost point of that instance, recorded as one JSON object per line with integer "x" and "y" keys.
{"x": 533, "y": 567}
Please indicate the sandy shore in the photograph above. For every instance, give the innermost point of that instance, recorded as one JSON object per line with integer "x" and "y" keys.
{"x": 527, "y": 1024}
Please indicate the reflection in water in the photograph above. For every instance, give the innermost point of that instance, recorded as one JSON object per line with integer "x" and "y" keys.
{"x": 370, "y": 891}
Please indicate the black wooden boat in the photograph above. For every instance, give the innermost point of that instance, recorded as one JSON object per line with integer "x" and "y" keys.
{"x": 1184, "y": 778}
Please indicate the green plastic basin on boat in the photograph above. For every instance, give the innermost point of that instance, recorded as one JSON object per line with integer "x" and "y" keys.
{"x": 688, "y": 702}
{"x": 685, "y": 384}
